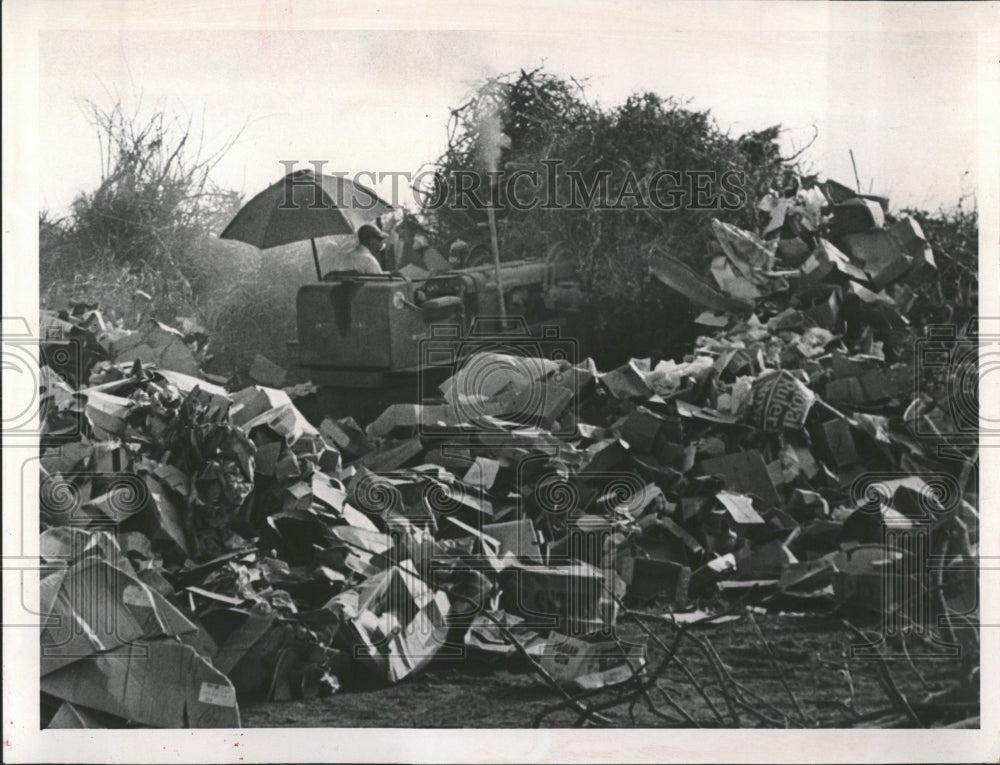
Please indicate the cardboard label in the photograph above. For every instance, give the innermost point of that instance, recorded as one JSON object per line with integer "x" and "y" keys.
{"x": 590, "y": 665}
{"x": 739, "y": 507}
{"x": 618, "y": 674}
{"x": 563, "y": 653}
{"x": 780, "y": 401}
{"x": 219, "y": 695}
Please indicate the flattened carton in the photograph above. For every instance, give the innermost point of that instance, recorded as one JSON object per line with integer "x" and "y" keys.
{"x": 95, "y": 607}
{"x": 589, "y": 664}
{"x": 398, "y": 623}
{"x": 160, "y": 684}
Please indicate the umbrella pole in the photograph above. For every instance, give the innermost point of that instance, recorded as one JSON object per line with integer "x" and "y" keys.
{"x": 496, "y": 265}
{"x": 319, "y": 274}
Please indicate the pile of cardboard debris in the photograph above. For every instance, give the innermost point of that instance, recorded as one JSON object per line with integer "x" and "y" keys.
{"x": 202, "y": 545}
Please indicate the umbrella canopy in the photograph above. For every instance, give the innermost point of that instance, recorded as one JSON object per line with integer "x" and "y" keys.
{"x": 305, "y": 205}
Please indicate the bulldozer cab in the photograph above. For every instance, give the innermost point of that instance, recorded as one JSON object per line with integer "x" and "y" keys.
{"x": 354, "y": 327}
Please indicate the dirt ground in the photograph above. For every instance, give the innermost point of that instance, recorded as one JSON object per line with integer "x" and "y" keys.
{"x": 825, "y": 686}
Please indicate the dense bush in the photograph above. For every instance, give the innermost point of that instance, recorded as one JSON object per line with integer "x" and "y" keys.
{"x": 144, "y": 242}
{"x": 953, "y": 297}
{"x": 547, "y": 118}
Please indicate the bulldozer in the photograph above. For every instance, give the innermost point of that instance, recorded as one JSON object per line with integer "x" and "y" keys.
{"x": 363, "y": 339}
{"x": 371, "y": 340}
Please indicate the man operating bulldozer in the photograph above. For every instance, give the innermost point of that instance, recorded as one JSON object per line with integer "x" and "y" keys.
{"x": 364, "y": 258}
